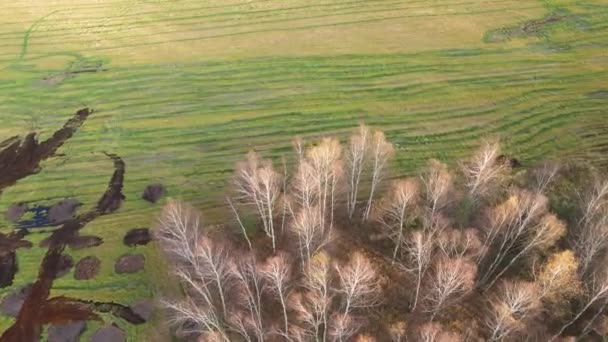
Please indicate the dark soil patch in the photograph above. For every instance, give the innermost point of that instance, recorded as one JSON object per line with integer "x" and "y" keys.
{"x": 87, "y": 268}
{"x": 110, "y": 333}
{"x": 129, "y": 263}
{"x": 15, "y": 212}
{"x": 137, "y": 236}
{"x": 8, "y": 269}
{"x": 144, "y": 308}
{"x": 66, "y": 262}
{"x": 63, "y": 210}
{"x": 80, "y": 242}
{"x": 69, "y": 332}
{"x": 509, "y": 161}
{"x": 12, "y": 303}
{"x": 154, "y": 192}
{"x": 76, "y": 241}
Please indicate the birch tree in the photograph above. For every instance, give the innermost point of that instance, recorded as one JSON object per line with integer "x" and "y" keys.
{"x": 450, "y": 281}
{"x": 277, "y": 272}
{"x": 597, "y": 295}
{"x": 356, "y": 158}
{"x": 248, "y": 287}
{"x": 420, "y": 248}
{"x": 342, "y": 327}
{"x": 559, "y": 282}
{"x": 516, "y": 227}
{"x": 328, "y": 167}
{"x": 434, "y": 332}
{"x": 381, "y": 152}
{"x": 511, "y": 309}
{"x": 459, "y": 243}
{"x": 318, "y": 277}
{"x": 437, "y": 182}
{"x": 484, "y": 172}
{"x": 311, "y": 232}
{"x": 258, "y": 184}
{"x": 589, "y": 236}
{"x": 359, "y": 283}
{"x": 396, "y": 210}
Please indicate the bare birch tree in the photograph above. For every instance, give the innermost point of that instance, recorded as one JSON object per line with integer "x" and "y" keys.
{"x": 178, "y": 231}
{"x": 381, "y": 152}
{"x": 589, "y": 237}
{"x": 396, "y": 209}
{"x": 277, "y": 272}
{"x": 484, "y": 172}
{"x": 459, "y": 243}
{"x": 397, "y": 331}
{"x": 359, "y": 283}
{"x": 318, "y": 277}
{"x": 305, "y": 186}
{"x": 597, "y": 293}
{"x": 342, "y": 327}
{"x": 248, "y": 289}
{"x": 437, "y": 182}
{"x": 544, "y": 175}
{"x": 311, "y": 232}
{"x": 258, "y": 184}
{"x": 356, "y": 158}
{"x": 193, "y": 318}
{"x": 328, "y": 166}
{"x": 511, "y": 309}
{"x": 434, "y": 332}
{"x": 298, "y": 147}
{"x": 516, "y": 227}
{"x": 450, "y": 281}
{"x": 420, "y": 248}
{"x": 201, "y": 267}
{"x": 213, "y": 266}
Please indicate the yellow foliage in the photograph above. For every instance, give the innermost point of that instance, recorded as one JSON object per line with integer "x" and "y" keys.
{"x": 559, "y": 280}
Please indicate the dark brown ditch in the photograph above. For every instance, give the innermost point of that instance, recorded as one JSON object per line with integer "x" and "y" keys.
{"x": 9, "y": 243}
{"x": 20, "y": 158}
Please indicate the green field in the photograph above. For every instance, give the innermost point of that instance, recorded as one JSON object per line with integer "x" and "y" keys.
{"x": 182, "y": 89}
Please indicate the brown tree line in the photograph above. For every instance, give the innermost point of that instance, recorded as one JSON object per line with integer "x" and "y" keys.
{"x": 340, "y": 253}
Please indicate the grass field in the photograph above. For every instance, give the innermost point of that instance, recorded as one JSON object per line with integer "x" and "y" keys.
{"x": 182, "y": 89}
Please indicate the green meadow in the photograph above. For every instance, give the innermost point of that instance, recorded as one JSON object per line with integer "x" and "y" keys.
{"x": 182, "y": 89}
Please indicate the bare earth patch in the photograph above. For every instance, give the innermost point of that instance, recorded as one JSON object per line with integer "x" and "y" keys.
{"x": 87, "y": 268}
{"x": 129, "y": 263}
{"x": 137, "y": 236}
{"x": 110, "y": 333}
{"x": 12, "y": 303}
{"x": 69, "y": 332}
